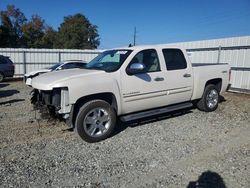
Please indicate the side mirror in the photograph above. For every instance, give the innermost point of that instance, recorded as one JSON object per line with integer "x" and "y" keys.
{"x": 135, "y": 68}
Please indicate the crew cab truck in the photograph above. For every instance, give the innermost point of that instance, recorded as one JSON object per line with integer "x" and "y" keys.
{"x": 129, "y": 83}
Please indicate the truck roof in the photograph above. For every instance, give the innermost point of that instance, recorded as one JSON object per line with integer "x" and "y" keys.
{"x": 141, "y": 47}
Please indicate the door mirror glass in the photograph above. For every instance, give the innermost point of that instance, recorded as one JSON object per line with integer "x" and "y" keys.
{"x": 136, "y": 68}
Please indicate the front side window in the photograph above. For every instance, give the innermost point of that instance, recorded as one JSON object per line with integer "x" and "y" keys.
{"x": 109, "y": 61}
{"x": 149, "y": 58}
{"x": 174, "y": 59}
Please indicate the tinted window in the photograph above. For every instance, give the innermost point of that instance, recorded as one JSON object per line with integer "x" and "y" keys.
{"x": 80, "y": 65}
{"x": 3, "y": 60}
{"x": 70, "y": 66}
{"x": 149, "y": 58}
{"x": 55, "y": 66}
{"x": 174, "y": 59}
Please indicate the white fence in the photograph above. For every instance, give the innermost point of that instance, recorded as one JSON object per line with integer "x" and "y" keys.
{"x": 27, "y": 60}
{"x": 235, "y": 51}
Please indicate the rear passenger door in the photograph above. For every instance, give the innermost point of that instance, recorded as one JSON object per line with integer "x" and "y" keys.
{"x": 178, "y": 76}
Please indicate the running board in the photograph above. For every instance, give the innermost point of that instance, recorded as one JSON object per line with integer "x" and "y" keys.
{"x": 148, "y": 113}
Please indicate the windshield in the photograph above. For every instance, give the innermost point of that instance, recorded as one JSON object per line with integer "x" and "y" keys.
{"x": 55, "y": 66}
{"x": 109, "y": 61}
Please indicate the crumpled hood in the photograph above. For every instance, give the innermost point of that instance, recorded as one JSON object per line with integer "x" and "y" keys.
{"x": 36, "y": 72}
{"x": 56, "y": 78}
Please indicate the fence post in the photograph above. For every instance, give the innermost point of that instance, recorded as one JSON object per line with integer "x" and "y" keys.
{"x": 59, "y": 56}
{"x": 219, "y": 52}
{"x": 24, "y": 63}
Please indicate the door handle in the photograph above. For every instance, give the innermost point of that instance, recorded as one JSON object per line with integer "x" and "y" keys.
{"x": 157, "y": 79}
{"x": 187, "y": 75}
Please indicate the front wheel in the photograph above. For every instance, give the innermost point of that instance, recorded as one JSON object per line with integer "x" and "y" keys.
{"x": 95, "y": 121}
{"x": 210, "y": 99}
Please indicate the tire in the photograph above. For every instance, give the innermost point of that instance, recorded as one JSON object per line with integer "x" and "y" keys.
{"x": 1, "y": 77}
{"x": 210, "y": 99}
{"x": 95, "y": 121}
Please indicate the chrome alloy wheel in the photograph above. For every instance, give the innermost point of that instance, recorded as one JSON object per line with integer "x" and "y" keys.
{"x": 97, "y": 122}
{"x": 212, "y": 98}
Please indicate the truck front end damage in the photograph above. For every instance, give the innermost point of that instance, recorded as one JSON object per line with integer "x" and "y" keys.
{"x": 52, "y": 102}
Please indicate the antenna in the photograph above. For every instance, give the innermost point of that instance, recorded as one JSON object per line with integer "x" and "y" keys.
{"x": 134, "y": 36}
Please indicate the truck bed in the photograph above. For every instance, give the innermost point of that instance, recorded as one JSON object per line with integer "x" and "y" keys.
{"x": 209, "y": 71}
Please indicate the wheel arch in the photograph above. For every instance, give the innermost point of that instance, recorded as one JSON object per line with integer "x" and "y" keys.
{"x": 109, "y": 97}
{"x": 216, "y": 81}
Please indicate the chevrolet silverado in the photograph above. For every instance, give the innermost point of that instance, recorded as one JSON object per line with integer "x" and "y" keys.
{"x": 129, "y": 83}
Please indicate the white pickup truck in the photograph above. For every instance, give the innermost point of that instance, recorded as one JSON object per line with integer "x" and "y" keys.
{"x": 129, "y": 83}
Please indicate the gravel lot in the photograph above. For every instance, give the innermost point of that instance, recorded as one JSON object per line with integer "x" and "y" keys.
{"x": 172, "y": 150}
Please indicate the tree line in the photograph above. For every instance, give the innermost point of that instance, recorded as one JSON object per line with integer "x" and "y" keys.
{"x": 75, "y": 32}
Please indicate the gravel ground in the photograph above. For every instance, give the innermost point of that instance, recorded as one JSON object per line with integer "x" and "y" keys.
{"x": 176, "y": 150}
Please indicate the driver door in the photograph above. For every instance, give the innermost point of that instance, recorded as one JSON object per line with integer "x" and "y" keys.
{"x": 144, "y": 90}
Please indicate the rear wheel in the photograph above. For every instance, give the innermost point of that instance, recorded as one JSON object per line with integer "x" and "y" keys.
{"x": 95, "y": 121}
{"x": 210, "y": 99}
{"x": 1, "y": 77}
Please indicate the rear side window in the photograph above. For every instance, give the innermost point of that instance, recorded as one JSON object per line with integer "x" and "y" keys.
{"x": 174, "y": 59}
